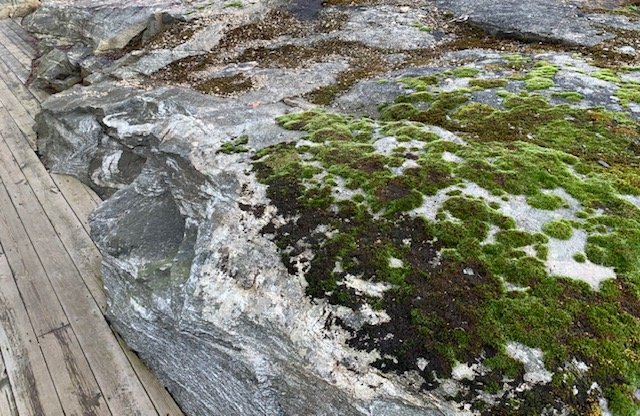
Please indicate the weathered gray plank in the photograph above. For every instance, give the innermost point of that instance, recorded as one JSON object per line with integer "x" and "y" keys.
{"x": 31, "y": 384}
{"x": 75, "y": 384}
{"x": 31, "y": 278}
{"x": 19, "y": 54}
{"x": 7, "y": 401}
{"x": 76, "y": 194}
{"x": 26, "y": 98}
{"x": 14, "y": 65}
{"x": 19, "y": 115}
{"x": 20, "y": 37}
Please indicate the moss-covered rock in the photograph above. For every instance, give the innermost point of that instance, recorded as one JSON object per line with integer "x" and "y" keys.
{"x": 442, "y": 210}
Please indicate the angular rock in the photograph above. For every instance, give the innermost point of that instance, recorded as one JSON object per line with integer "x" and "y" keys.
{"x": 103, "y": 28}
{"x": 56, "y": 72}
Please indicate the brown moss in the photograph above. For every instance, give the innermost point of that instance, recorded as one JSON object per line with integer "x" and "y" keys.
{"x": 276, "y": 23}
{"x": 366, "y": 62}
{"x": 225, "y": 85}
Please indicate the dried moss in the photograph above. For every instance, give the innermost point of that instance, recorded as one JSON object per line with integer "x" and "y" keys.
{"x": 225, "y": 85}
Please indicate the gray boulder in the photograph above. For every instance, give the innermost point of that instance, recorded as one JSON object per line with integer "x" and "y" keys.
{"x": 193, "y": 284}
{"x": 56, "y": 71}
{"x": 103, "y": 28}
{"x": 538, "y": 20}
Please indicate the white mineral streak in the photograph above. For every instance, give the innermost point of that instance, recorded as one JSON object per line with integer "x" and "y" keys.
{"x": 532, "y": 359}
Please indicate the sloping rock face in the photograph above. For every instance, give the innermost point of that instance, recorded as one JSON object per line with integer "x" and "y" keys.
{"x": 307, "y": 215}
{"x": 575, "y": 23}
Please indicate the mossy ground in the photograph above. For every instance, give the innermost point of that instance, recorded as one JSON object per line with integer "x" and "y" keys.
{"x": 449, "y": 301}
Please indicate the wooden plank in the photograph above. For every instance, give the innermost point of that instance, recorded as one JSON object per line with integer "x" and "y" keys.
{"x": 82, "y": 249}
{"x": 19, "y": 90}
{"x": 14, "y": 65}
{"x": 20, "y": 37}
{"x": 7, "y": 401}
{"x": 31, "y": 52}
{"x": 75, "y": 384}
{"x": 19, "y": 54}
{"x": 93, "y": 196}
{"x": 19, "y": 115}
{"x": 27, "y": 40}
{"x": 31, "y": 278}
{"x": 117, "y": 380}
{"x": 30, "y": 380}
{"x": 77, "y": 196}
{"x": 25, "y": 35}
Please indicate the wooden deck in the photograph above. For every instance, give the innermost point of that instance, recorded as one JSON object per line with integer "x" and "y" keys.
{"x": 58, "y": 355}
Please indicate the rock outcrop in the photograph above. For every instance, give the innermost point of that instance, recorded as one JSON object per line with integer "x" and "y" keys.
{"x": 367, "y": 209}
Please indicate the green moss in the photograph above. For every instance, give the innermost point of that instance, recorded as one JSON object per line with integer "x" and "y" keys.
{"x": 237, "y": 4}
{"x": 621, "y": 401}
{"x": 487, "y": 83}
{"x": 538, "y": 83}
{"x": 629, "y": 92}
{"x": 518, "y": 238}
{"x": 543, "y": 69}
{"x": 579, "y": 257}
{"x": 570, "y": 96}
{"x": 542, "y": 251}
{"x": 606, "y": 75}
{"x": 401, "y": 111}
{"x": 464, "y": 72}
{"x": 235, "y": 146}
{"x": 526, "y": 147}
{"x": 619, "y": 248}
{"x": 516, "y": 61}
{"x": 421, "y": 83}
{"x": 541, "y": 76}
{"x": 559, "y": 229}
{"x": 546, "y": 201}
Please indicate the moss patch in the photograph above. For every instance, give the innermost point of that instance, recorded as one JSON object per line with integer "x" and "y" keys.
{"x": 561, "y": 229}
{"x": 546, "y": 201}
{"x": 225, "y": 85}
{"x": 448, "y": 302}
